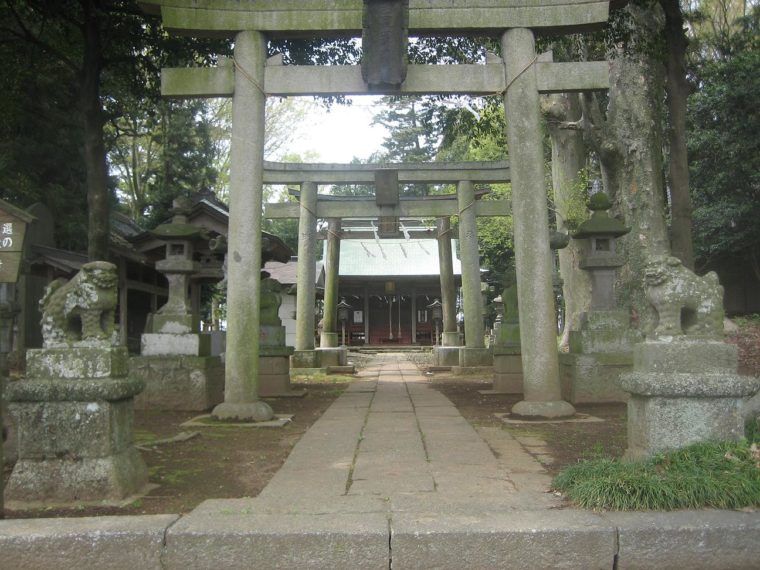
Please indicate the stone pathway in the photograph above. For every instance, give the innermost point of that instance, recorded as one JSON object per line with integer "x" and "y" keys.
{"x": 392, "y": 477}
{"x": 392, "y": 442}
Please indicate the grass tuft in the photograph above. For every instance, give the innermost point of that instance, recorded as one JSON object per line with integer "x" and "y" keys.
{"x": 724, "y": 475}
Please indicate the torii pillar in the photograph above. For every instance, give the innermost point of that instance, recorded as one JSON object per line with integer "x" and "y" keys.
{"x": 330, "y": 353}
{"x": 241, "y": 390}
{"x": 305, "y": 356}
{"x": 535, "y": 294}
{"x": 474, "y": 353}
{"x": 447, "y": 354}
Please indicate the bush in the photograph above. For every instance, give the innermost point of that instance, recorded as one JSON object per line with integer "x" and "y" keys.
{"x": 724, "y": 475}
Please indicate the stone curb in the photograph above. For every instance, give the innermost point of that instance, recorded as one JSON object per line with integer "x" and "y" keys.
{"x": 475, "y": 539}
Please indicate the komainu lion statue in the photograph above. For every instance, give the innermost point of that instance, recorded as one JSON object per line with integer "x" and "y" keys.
{"x": 686, "y": 304}
{"x": 81, "y": 311}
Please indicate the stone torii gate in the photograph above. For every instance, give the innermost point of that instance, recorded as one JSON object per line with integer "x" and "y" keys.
{"x": 520, "y": 77}
{"x": 388, "y": 205}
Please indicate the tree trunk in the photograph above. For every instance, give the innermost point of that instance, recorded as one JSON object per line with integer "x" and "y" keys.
{"x": 94, "y": 147}
{"x": 629, "y": 144}
{"x": 568, "y": 160}
{"x": 678, "y": 174}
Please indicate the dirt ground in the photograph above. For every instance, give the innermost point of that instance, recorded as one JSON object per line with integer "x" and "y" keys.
{"x": 233, "y": 462}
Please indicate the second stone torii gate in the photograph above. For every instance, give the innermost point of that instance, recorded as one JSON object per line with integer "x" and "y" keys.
{"x": 387, "y": 204}
{"x": 520, "y": 77}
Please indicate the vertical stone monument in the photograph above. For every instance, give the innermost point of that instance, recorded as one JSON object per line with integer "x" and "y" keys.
{"x": 74, "y": 412}
{"x": 274, "y": 355}
{"x": 684, "y": 387}
{"x": 507, "y": 359}
{"x": 603, "y": 347}
{"x": 176, "y": 363}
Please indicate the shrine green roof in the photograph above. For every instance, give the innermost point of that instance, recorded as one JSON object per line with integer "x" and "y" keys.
{"x": 392, "y": 258}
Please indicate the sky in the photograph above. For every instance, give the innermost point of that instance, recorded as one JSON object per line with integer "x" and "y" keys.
{"x": 340, "y": 134}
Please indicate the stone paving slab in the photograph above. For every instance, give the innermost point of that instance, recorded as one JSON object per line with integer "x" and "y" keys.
{"x": 535, "y": 539}
{"x": 335, "y": 541}
{"x": 97, "y": 543}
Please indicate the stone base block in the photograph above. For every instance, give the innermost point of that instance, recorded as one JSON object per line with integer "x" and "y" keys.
{"x": 328, "y": 340}
{"x": 274, "y": 377}
{"x": 272, "y": 336}
{"x": 257, "y": 411}
{"x": 190, "y": 344}
{"x": 507, "y": 368}
{"x": 604, "y": 331}
{"x": 333, "y": 356}
{"x": 305, "y": 359}
{"x": 70, "y": 480}
{"x": 543, "y": 409}
{"x": 685, "y": 356}
{"x": 475, "y": 357}
{"x": 174, "y": 323}
{"x": 192, "y": 383}
{"x": 451, "y": 339}
{"x": 446, "y": 355}
{"x": 592, "y": 378}
{"x": 75, "y": 363}
{"x": 672, "y": 410}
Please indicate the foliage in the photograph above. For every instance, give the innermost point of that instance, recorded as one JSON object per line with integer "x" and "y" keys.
{"x": 723, "y": 475}
{"x": 724, "y": 147}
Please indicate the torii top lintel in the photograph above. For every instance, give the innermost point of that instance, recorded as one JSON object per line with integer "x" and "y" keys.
{"x": 324, "y": 18}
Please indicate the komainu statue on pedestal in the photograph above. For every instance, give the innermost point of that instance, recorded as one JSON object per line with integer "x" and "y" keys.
{"x": 81, "y": 312}
{"x": 686, "y": 304}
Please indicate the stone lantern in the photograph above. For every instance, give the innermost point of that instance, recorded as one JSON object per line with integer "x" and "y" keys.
{"x": 602, "y": 348}
{"x": 181, "y": 238}
{"x": 602, "y": 259}
{"x": 436, "y": 313}
{"x": 344, "y": 314}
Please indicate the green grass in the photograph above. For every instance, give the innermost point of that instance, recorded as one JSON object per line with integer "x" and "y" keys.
{"x": 722, "y": 475}
{"x": 745, "y": 321}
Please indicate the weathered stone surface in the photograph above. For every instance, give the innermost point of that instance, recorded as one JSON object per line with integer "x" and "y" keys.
{"x": 72, "y": 429}
{"x": 336, "y": 541}
{"x": 81, "y": 312}
{"x": 446, "y": 355}
{"x": 556, "y": 539}
{"x": 507, "y": 370}
{"x": 685, "y": 357}
{"x": 190, "y": 344}
{"x": 475, "y": 357}
{"x": 178, "y": 382}
{"x": 669, "y": 408}
{"x": 543, "y": 409}
{"x": 337, "y": 356}
{"x": 604, "y": 331}
{"x": 697, "y": 540}
{"x": 271, "y": 336}
{"x": 686, "y": 304}
{"x": 68, "y": 480}
{"x": 79, "y": 362}
{"x": 73, "y": 390}
{"x": 274, "y": 373}
{"x": 89, "y": 543}
{"x": 305, "y": 359}
{"x": 592, "y": 378}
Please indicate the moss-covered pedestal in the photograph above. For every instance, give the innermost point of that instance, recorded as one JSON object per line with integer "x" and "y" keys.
{"x": 684, "y": 392}
{"x": 74, "y": 429}
{"x": 599, "y": 353}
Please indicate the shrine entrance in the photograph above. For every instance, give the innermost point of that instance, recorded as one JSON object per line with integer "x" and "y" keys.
{"x": 520, "y": 75}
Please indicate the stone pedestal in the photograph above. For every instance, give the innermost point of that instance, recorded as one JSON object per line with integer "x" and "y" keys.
{"x": 74, "y": 435}
{"x": 337, "y": 356}
{"x": 305, "y": 359}
{"x": 446, "y": 355}
{"x": 507, "y": 369}
{"x": 192, "y": 383}
{"x": 274, "y": 364}
{"x": 179, "y": 372}
{"x": 599, "y": 353}
{"x": 475, "y": 357}
{"x": 683, "y": 392}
